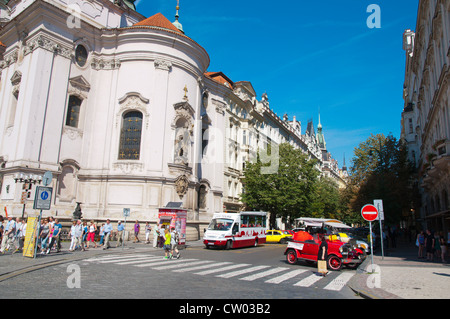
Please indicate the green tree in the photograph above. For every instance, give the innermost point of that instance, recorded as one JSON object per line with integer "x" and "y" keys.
{"x": 285, "y": 192}
{"x": 381, "y": 170}
{"x": 326, "y": 200}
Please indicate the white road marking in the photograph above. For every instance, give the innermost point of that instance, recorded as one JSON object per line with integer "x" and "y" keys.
{"x": 309, "y": 281}
{"x": 338, "y": 283}
{"x": 286, "y": 276}
{"x": 211, "y": 271}
{"x": 264, "y": 273}
{"x": 202, "y": 267}
{"x": 241, "y": 272}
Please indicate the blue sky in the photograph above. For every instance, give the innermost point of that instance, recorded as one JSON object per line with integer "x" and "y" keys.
{"x": 308, "y": 55}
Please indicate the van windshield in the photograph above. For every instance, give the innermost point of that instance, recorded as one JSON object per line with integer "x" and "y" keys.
{"x": 220, "y": 224}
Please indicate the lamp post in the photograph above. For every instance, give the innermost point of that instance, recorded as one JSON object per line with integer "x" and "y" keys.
{"x": 28, "y": 181}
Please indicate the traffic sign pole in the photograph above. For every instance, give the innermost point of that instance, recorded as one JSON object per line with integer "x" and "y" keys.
{"x": 378, "y": 203}
{"x": 126, "y": 213}
{"x": 370, "y": 213}
{"x": 371, "y": 243}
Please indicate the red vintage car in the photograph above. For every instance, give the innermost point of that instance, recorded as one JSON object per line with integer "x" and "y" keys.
{"x": 306, "y": 247}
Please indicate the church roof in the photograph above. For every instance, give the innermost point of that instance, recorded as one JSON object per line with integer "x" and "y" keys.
{"x": 160, "y": 21}
{"x": 221, "y": 78}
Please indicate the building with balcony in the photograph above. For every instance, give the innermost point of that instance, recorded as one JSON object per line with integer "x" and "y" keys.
{"x": 425, "y": 123}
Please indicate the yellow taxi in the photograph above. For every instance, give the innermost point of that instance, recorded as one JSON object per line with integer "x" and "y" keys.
{"x": 278, "y": 236}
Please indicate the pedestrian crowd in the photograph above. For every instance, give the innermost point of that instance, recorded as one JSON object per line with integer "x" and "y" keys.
{"x": 83, "y": 235}
{"x": 432, "y": 246}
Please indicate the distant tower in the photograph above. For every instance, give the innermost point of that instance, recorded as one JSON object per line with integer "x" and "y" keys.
{"x": 344, "y": 168}
{"x": 177, "y": 24}
{"x": 320, "y": 137}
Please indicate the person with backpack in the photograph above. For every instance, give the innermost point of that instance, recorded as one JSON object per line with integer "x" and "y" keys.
{"x": 175, "y": 238}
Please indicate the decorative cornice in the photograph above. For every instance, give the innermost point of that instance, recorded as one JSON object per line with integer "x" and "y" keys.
{"x": 48, "y": 43}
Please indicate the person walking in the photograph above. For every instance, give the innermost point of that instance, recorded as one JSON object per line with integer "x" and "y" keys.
{"x": 420, "y": 241}
{"x": 443, "y": 246}
{"x": 107, "y": 231}
{"x": 174, "y": 239}
{"x": 429, "y": 245}
{"x": 148, "y": 230}
{"x": 73, "y": 237}
{"x": 85, "y": 233}
{"x": 22, "y": 231}
{"x": 137, "y": 229}
{"x": 56, "y": 238}
{"x": 155, "y": 236}
{"x": 102, "y": 234}
{"x": 167, "y": 240}
{"x": 9, "y": 235}
{"x": 120, "y": 234}
{"x": 44, "y": 235}
{"x": 18, "y": 234}
{"x": 91, "y": 234}
{"x": 322, "y": 255}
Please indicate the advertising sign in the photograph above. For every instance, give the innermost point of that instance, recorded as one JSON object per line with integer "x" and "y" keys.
{"x": 175, "y": 218}
{"x": 30, "y": 237}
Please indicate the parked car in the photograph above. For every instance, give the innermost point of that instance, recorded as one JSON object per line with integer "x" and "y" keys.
{"x": 278, "y": 236}
{"x": 339, "y": 253}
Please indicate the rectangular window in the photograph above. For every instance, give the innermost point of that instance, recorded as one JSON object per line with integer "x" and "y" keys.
{"x": 73, "y": 111}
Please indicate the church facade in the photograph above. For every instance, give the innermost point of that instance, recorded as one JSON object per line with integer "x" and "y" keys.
{"x": 124, "y": 113}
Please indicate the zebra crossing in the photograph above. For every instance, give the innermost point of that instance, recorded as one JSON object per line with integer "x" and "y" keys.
{"x": 224, "y": 269}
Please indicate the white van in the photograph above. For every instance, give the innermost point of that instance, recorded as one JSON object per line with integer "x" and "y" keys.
{"x": 234, "y": 230}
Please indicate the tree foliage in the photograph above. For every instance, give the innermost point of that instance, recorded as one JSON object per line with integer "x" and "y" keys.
{"x": 286, "y": 192}
{"x": 380, "y": 170}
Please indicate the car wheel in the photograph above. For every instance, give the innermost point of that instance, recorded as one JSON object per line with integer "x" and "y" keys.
{"x": 334, "y": 262}
{"x": 291, "y": 256}
{"x": 228, "y": 245}
{"x": 256, "y": 242}
{"x": 283, "y": 241}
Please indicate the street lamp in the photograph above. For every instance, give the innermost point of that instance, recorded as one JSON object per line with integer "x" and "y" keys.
{"x": 28, "y": 181}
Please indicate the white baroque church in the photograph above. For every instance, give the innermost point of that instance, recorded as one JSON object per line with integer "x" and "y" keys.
{"x": 123, "y": 111}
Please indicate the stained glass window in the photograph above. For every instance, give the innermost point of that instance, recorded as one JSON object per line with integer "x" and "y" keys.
{"x": 73, "y": 111}
{"x": 130, "y": 136}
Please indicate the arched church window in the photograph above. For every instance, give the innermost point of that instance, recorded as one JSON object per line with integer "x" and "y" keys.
{"x": 73, "y": 111}
{"x": 130, "y": 136}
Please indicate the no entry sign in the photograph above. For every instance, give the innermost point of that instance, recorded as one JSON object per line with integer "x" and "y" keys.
{"x": 369, "y": 213}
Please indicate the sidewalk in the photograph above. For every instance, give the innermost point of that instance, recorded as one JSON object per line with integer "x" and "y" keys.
{"x": 400, "y": 274}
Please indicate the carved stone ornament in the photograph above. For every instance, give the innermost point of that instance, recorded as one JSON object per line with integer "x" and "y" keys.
{"x": 105, "y": 64}
{"x": 16, "y": 78}
{"x": 163, "y": 64}
{"x": 79, "y": 86}
{"x": 219, "y": 106}
{"x": 181, "y": 185}
{"x": 128, "y": 168}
